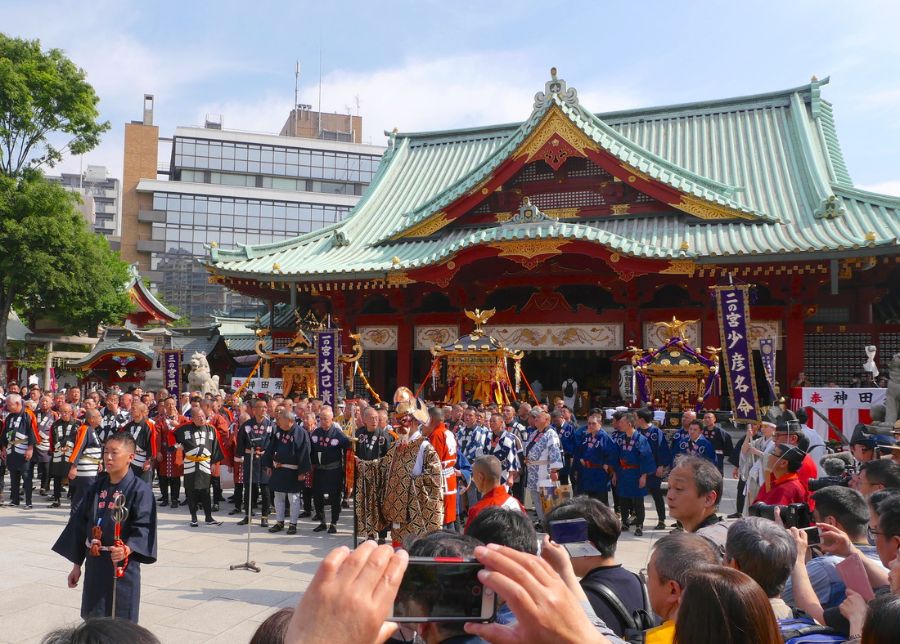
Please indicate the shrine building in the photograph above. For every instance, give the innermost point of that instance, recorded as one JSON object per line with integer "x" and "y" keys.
{"x": 586, "y": 232}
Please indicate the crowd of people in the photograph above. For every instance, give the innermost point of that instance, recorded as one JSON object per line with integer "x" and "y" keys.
{"x": 463, "y": 480}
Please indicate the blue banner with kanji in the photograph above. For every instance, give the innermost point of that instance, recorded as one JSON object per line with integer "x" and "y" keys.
{"x": 733, "y": 308}
{"x": 172, "y": 369}
{"x": 327, "y": 370}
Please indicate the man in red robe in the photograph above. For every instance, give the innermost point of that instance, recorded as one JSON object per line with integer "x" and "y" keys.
{"x": 170, "y": 458}
{"x": 444, "y": 443}
{"x": 220, "y": 423}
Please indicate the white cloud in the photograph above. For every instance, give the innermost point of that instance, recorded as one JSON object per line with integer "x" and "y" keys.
{"x": 100, "y": 37}
{"x": 889, "y": 187}
{"x": 459, "y": 91}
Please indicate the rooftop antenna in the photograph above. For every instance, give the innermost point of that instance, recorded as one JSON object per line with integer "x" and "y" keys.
{"x": 319, "y": 119}
{"x": 296, "y": 93}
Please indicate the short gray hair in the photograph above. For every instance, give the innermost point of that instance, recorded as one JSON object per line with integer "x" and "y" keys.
{"x": 679, "y": 553}
{"x": 763, "y": 550}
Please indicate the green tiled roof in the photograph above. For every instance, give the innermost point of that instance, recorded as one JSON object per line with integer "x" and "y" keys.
{"x": 773, "y": 157}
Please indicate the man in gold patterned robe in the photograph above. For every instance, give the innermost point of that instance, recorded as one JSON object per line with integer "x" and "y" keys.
{"x": 413, "y": 488}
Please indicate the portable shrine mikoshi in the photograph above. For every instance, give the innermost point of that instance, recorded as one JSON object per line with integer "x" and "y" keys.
{"x": 675, "y": 376}
{"x": 477, "y": 365}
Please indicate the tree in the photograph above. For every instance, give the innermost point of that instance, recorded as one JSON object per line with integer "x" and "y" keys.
{"x": 50, "y": 264}
{"x": 43, "y": 95}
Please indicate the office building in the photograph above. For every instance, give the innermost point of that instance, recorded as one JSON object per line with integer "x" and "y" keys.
{"x": 100, "y": 195}
{"x": 225, "y": 188}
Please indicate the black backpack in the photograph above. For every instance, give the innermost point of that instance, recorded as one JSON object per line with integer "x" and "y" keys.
{"x": 634, "y": 623}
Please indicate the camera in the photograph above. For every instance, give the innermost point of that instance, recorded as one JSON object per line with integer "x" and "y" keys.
{"x": 827, "y": 481}
{"x": 795, "y": 515}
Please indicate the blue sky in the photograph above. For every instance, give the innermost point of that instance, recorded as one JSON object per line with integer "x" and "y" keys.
{"x": 433, "y": 65}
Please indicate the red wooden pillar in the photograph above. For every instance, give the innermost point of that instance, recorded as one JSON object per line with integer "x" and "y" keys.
{"x": 792, "y": 343}
{"x": 405, "y": 352}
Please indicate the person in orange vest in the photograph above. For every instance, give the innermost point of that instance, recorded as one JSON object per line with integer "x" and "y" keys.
{"x": 444, "y": 443}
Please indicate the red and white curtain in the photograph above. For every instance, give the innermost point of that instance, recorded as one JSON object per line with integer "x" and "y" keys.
{"x": 846, "y": 407}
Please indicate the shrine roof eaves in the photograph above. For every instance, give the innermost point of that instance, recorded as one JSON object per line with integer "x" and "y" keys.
{"x": 774, "y": 154}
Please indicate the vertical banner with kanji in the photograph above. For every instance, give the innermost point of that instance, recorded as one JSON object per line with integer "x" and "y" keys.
{"x": 733, "y": 308}
{"x": 172, "y": 369}
{"x": 767, "y": 353}
{"x": 328, "y": 348}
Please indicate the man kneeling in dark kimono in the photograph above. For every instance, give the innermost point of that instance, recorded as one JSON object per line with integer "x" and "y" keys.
{"x": 91, "y": 535}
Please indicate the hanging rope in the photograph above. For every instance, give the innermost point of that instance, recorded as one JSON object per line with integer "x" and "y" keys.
{"x": 530, "y": 390}
{"x": 240, "y": 390}
{"x": 368, "y": 387}
{"x": 427, "y": 376}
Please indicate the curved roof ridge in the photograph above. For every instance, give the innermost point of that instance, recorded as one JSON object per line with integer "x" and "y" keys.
{"x": 638, "y": 112}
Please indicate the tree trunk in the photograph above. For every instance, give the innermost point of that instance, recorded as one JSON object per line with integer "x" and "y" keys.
{"x": 6, "y": 297}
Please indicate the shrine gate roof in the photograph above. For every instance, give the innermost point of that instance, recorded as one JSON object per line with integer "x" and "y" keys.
{"x": 755, "y": 176}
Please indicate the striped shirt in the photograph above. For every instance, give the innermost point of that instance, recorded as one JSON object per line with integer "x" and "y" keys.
{"x": 45, "y": 421}
{"x": 144, "y": 434}
{"x": 19, "y": 433}
{"x": 86, "y": 451}
{"x": 198, "y": 443}
{"x": 62, "y": 435}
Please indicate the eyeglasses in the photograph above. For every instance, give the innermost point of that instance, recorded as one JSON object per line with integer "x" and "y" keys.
{"x": 870, "y": 533}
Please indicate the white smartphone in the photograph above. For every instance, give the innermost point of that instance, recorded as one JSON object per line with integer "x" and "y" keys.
{"x": 443, "y": 589}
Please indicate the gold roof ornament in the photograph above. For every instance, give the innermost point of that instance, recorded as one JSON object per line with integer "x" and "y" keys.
{"x": 480, "y": 318}
{"x": 870, "y": 236}
{"x": 395, "y": 260}
{"x": 677, "y": 328}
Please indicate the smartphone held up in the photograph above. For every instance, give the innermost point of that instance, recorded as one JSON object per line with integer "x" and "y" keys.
{"x": 443, "y": 589}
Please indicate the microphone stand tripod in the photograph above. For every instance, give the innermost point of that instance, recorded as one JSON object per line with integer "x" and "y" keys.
{"x": 248, "y": 564}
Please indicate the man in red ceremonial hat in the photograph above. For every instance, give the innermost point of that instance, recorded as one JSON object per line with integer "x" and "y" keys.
{"x": 444, "y": 443}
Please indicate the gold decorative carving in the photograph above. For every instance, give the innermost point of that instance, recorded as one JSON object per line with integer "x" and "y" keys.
{"x": 706, "y": 210}
{"x": 451, "y": 265}
{"x": 602, "y": 336}
{"x": 428, "y": 336}
{"x": 375, "y": 338}
{"x": 503, "y": 217}
{"x": 529, "y": 249}
{"x": 554, "y": 124}
{"x": 399, "y": 278}
{"x": 631, "y": 178}
{"x": 561, "y": 213}
{"x": 680, "y": 267}
{"x": 658, "y": 333}
{"x": 677, "y": 328}
{"x": 427, "y": 227}
{"x": 614, "y": 258}
{"x": 621, "y": 208}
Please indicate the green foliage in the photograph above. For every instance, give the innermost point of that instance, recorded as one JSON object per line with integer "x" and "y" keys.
{"x": 43, "y": 94}
{"x": 29, "y": 356}
{"x": 51, "y": 264}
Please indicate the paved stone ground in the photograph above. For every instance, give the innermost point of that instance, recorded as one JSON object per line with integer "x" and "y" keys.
{"x": 190, "y": 595}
